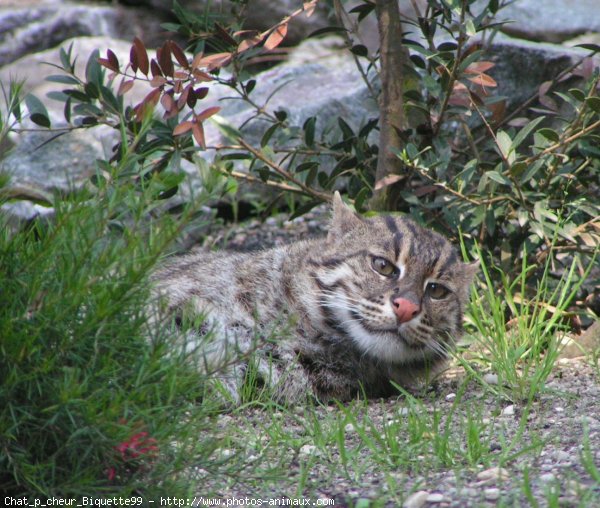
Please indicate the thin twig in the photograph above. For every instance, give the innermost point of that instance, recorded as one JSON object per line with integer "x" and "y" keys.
{"x": 286, "y": 174}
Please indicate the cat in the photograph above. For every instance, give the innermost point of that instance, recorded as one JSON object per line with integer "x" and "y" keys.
{"x": 379, "y": 301}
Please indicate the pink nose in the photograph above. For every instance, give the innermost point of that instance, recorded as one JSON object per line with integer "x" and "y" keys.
{"x": 404, "y": 309}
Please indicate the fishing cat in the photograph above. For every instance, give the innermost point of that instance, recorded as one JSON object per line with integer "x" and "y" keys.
{"x": 379, "y": 300}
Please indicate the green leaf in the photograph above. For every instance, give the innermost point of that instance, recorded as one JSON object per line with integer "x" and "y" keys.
{"x": 593, "y": 103}
{"x": 549, "y": 134}
{"x": 305, "y": 166}
{"x": 327, "y": 30}
{"x": 504, "y": 144}
{"x": 359, "y": 50}
{"x": 497, "y": 177}
{"x": 229, "y": 131}
{"x": 470, "y": 28}
{"x": 306, "y": 207}
{"x": 525, "y": 131}
{"x": 360, "y": 198}
{"x": 346, "y": 129}
{"x": 577, "y": 94}
{"x": 93, "y": 70}
{"x": 309, "y": 131}
{"x": 268, "y": 134}
{"x": 62, "y": 78}
{"x": 37, "y": 111}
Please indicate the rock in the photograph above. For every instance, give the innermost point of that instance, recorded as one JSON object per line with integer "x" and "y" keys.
{"x": 587, "y": 342}
{"x": 33, "y": 69}
{"x": 50, "y": 163}
{"x": 547, "y": 478}
{"x": 435, "y": 497}
{"x": 327, "y": 87}
{"x": 543, "y": 63}
{"x": 450, "y": 397}
{"x": 493, "y": 474}
{"x": 491, "y": 494}
{"x": 46, "y": 23}
{"x": 508, "y": 410}
{"x": 416, "y": 500}
{"x": 551, "y": 20}
{"x": 307, "y": 450}
{"x": 491, "y": 379}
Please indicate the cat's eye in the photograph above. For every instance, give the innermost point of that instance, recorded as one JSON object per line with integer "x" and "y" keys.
{"x": 384, "y": 267}
{"x": 436, "y": 291}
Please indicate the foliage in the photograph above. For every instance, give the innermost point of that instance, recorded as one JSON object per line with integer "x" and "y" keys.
{"x": 94, "y": 399}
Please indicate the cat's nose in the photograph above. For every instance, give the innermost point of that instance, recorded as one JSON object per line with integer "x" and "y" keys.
{"x": 404, "y": 309}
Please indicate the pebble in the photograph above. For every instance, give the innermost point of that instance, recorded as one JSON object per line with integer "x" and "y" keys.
{"x": 491, "y": 494}
{"x": 491, "y": 379}
{"x": 450, "y": 397}
{"x": 493, "y": 474}
{"x": 307, "y": 449}
{"x": 349, "y": 428}
{"x": 547, "y": 477}
{"x": 435, "y": 497}
{"x": 416, "y": 500}
{"x": 508, "y": 410}
{"x": 562, "y": 456}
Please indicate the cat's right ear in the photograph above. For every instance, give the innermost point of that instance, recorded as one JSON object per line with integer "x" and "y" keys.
{"x": 344, "y": 219}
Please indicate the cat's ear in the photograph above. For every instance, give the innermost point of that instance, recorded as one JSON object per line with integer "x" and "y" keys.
{"x": 470, "y": 270}
{"x": 344, "y": 219}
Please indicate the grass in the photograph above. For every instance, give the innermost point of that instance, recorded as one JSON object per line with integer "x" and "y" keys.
{"x": 88, "y": 404}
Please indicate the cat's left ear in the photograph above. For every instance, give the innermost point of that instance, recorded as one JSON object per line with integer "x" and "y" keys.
{"x": 470, "y": 270}
{"x": 344, "y": 219}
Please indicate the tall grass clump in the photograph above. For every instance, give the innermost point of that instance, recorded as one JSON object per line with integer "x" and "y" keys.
{"x": 519, "y": 322}
{"x": 94, "y": 400}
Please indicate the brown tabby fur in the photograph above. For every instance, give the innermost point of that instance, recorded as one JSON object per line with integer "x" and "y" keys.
{"x": 317, "y": 315}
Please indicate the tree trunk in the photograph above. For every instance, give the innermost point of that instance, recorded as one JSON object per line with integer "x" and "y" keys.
{"x": 394, "y": 58}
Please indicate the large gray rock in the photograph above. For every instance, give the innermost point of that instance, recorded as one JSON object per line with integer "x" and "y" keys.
{"x": 551, "y": 20}
{"x": 47, "y": 162}
{"x": 522, "y": 66}
{"x": 42, "y": 24}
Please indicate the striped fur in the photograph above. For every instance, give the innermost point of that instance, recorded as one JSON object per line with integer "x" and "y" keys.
{"x": 328, "y": 309}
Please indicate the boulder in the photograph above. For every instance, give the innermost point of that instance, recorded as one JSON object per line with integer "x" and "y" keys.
{"x": 522, "y": 66}
{"x": 550, "y": 20}
{"x": 43, "y": 24}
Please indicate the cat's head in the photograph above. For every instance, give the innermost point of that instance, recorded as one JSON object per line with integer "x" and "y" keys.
{"x": 396, "y": 289}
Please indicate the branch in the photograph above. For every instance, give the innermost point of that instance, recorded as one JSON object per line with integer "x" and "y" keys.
{"x": 286, "y": 174}
{"x": 394, "y": 57}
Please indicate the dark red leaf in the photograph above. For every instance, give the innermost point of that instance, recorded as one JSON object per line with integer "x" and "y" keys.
{"x": 141, "y": 55}
{"x": 182, "y": 128}
{"x": 112, "y": 58}
{"x": 201, "y": 92}
{"x": 198, "y": 133}
{"x": 155, "y": 68}
{"x": 163, "y": 55}
{"x": 179, "y": 54}
{"x": 208, "y": 112}
{"x": 125, "y": 86}
{"x": 184, "y": 96}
